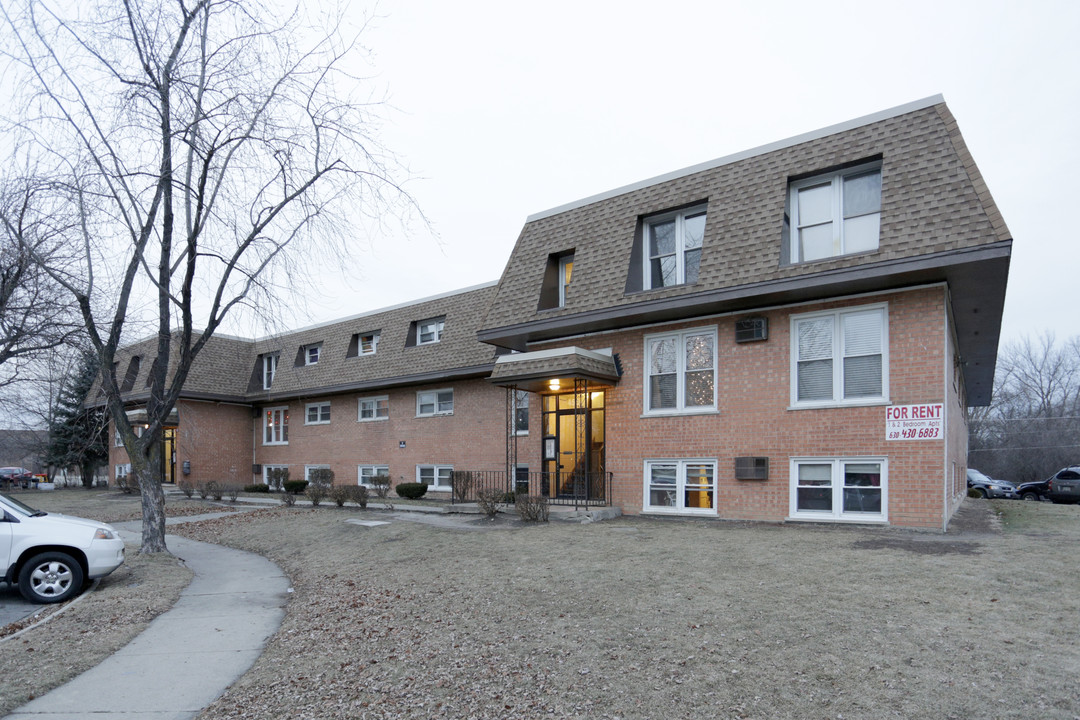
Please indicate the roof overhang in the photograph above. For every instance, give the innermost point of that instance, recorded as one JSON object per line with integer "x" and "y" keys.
{"x": 976, "y": 278}
{"x": 555, "y": 370}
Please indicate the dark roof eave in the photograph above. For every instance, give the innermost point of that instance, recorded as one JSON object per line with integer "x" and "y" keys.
{"x": 435, "y": 376}
{"x": 976, "y": 277}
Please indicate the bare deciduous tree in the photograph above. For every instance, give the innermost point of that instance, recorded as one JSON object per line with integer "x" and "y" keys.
{"x": 1032, "y": 426}
{"x": 199, "y": 140}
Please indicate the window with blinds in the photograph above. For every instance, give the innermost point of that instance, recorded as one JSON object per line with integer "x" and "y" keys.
{"x": 840, "y": 356}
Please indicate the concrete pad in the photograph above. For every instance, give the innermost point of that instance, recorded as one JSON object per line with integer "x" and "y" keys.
{"x": 367, "y": 523}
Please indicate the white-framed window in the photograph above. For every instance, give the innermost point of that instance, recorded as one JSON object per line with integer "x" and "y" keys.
{"x": 311, "y": 353}
{"x": 122, "y": 469}
{"x": 836, "y": 214}
{"x": 436, "y": 477}
{"x": 681, "y": 369}
{"x": 266, "y": 473}
{"x": 364, "y": 473}
{"x": 435, "y": 402}
{"x": 566, "y": 271}
{"x": 118, "y": 441}
{"x": 680, "y": 486}
{"x": 839, "y": 489}
{"x": 317, "y": 413}
{"x": 840, "y": 357}
{"x": 673, "y": 247}
{"x": 367, "y": 343}
{"x": 373, "y": 408}
{"x": 269, "y": 369}
{"x": 276, "y": 426}
{"x": 521, "y": 412}
{"x": 430, "y": 330}
{"x": 309, "y": 468}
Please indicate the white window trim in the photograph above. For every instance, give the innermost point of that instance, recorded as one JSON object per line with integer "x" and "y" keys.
{"x": 837, "y": 514}
{"x": 375, "y": 399}
{"x": 309, "y": 468}
{"x": 374, "y": 471}
{"x": 435, "y": 475}
{"x": 566, "y": 260}
{"x": 121, "y": 469}
{"x": 837, "y": 357}
{"x": 680, "y": 244}
{"x": 439, "y": 324}
{"x": 437, "y": 412}
{"x": 320, "y": 421}
{"x": 680, "y": 373}
{"x": 315, "y": 348}
{"x": 284, "y": 409}
{"x": 836, "y": 180}
{"x": 374, "y": 343}
{"x": 525, "y": 394}
{"x": 266, "y": 472}
{"x": 269, "y": 369}
{"x": 680, "y": 486}
{"x": 118, "y": 440}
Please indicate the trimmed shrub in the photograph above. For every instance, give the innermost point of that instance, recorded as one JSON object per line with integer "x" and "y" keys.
{"x": 381, "y": 485}
{"x": 339, "y": 494}
{"x": 294, "y": 487}
{"x": 187, "y": 487}
{"x": 411, "y": 490}
{"x": 316, "y": 493}
{"x": 217, "y": 490}
{"x": 257, "y": 488}
{"x": 231, "y": 490}
{"x": 342, "y": 494}
{"x": 288, "y": 499}
{"x": 489, "y": 501}
{"x": 462, "y": 482}
{"x": 532, "y": 508}
{"x": 203, "y": 489}
{"x": 359, "y": 495}
{"x": 128, "y": 484}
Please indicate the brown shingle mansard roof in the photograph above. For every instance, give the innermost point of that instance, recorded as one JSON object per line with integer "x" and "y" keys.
{"x": 938, "y": 223}
{"x": 225, "y": 368}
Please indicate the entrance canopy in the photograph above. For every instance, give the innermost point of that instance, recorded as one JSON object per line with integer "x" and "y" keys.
{"x": 555, "y": 370}
{"x": 138, "y": 417}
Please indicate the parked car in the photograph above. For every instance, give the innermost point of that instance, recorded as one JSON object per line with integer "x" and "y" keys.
{"x": 1065, "y": 485}
{"x": 988, "y": 487}
{"x": 16, "y": 477}
{"x": 51, "y": 556}
{"x": 1034, "y": 490}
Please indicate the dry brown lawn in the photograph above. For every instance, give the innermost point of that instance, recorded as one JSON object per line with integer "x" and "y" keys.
{"x": 663, "y": 618}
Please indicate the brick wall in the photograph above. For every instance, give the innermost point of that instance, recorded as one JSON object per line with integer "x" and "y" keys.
{"x": 472, "y": 438}
{"x": 754, "y": 419}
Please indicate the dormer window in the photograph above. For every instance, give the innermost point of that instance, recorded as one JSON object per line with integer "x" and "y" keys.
{"x": 269, "y": 369}
{"x": 429, "y": 331}
{"x": 311, "y": 354}
{"x": 673, "y": 247}
{"x": 566, "y": 269}
{"x": 368, "y": 343}
{"x": 835, "y": 214}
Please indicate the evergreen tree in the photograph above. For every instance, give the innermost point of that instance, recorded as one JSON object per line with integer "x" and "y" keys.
{"x": 77, "y": 434}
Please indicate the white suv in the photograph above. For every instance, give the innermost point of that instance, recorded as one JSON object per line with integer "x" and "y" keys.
{"x": 51, "y": 556}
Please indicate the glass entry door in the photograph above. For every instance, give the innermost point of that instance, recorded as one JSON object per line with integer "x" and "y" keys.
{"x": 573, "y": 449}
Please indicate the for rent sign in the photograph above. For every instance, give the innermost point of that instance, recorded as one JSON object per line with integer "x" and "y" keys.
{"x": 915, "y": 422}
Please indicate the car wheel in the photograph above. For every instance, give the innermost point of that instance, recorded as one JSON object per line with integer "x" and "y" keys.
{"x": 1031, "y": 496}
{"x": 981, "y": 492}
{"x": 50, "y": 577}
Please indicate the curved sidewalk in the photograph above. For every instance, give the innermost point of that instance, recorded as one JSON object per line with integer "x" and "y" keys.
{"x": 188, "y": 656}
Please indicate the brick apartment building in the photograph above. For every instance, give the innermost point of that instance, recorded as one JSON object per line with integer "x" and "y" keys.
{"x": 790, "y": 333}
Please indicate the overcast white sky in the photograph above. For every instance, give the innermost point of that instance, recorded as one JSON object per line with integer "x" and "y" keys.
{"x": 506, "y": 109}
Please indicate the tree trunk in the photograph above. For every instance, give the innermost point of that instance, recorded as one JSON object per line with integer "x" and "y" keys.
{"x": 148, "y": 473}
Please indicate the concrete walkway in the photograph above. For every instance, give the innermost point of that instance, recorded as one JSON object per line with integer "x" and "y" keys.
{"x": 188, "y": 656}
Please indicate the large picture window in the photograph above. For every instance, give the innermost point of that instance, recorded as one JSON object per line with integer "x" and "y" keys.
{"x": 276, "y": 426}
{"x": 673, "y": 247}
{"x": 840, "y": 357}
{"x": 681, "y": 371}
{"x": 838, "y": 489}
{"x": 835, "y": 214}
{"x": 680, "y": 486}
